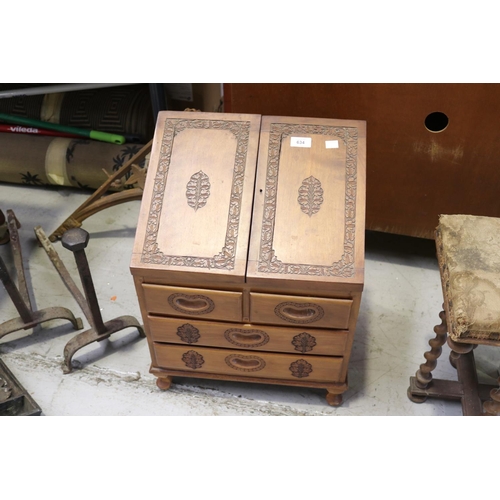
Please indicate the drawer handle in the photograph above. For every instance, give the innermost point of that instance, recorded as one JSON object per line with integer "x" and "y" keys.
{"x": 245, "y": 363}
{"x": 295, "y": 312}
{"x": 298, "y": 314}
{"x": 195, "y": 305}
{"x": 191, "y": 304}
{"x": 246, "y": 338}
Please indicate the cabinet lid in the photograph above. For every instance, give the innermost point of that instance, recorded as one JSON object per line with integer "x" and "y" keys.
{"x": 194, "y": 220}
{"x": 309, "y": 204}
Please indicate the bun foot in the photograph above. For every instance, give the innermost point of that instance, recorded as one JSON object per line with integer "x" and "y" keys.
{"x": 164, "y": 383}
{"x": 333, "y": 399}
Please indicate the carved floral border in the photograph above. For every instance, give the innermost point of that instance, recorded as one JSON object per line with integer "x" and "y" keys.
{"x": 151, "y": 253}
{"x": 268, "y": 261}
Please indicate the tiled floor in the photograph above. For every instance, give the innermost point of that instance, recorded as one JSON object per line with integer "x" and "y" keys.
{"x": 400, "y": 307}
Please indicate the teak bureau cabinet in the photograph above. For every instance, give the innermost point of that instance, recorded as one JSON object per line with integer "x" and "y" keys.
{"x": 248, "y": 259}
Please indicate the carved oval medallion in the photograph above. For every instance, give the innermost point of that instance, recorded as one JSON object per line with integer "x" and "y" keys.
{"x": 193, "y": 359}
{"x": 246, "y": 338}
{"x": 301, "y": 368}
{"x": 188, "y": 333}
{"x": 245, "y": 363}
{"x": 310, "y": 196}
{"x": 300, "y": 313}
{"x": 191, "y": 304}
{"x": 198, "y": 190}
{"x": 304, "y": 342}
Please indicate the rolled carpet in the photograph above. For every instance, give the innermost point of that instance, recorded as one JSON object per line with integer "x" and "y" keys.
{"x": 61, "y": 161}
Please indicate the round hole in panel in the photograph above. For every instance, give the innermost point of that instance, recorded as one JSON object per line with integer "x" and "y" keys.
{"x": 436, "y": 122}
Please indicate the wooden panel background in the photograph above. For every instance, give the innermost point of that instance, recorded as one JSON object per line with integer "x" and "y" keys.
{"x": 413, "y": 175}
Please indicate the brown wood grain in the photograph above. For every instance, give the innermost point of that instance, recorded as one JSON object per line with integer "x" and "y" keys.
{"x": 285, "y": 236}
{"x": 211, "y": 309}
{"x": 297, "y": 310}
{"x": 271, "y": 365}
{"x": 247, "y": 336}
{"x": 413, "y": 174}
{"x": 193, "y": 302}
{"x": 198, "y": 195}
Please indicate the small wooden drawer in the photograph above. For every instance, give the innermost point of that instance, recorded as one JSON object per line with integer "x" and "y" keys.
{"x": 251, "y": 337}
{"x": 291, "y": 310}
{"x": 193, "y": 302}
{"x": 261, "y": 365}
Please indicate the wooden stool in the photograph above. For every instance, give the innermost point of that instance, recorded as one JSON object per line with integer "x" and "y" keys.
{"x": 468, "y": 251}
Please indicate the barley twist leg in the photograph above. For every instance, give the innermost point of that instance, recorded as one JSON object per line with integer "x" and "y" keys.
{"x": 457, "y": 350}
{"x": 423, "y": 377}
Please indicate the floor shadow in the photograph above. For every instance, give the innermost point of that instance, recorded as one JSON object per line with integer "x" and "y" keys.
{"x": 386, "y": 247}
{"x": 41, "y": 333}
{"x": 120, "y": 341}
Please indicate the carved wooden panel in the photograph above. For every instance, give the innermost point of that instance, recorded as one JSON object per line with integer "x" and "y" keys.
{"x": 193, "y": 302}
{"x": 273, "y": 309}
{"x": 265, "y": 366}
{"x": 225, "y": 258}
{"x": 200, "y": 184}
{"x": 255, "y": 338}
{"x": 308, "y": 217}
{"x": 269, "y": 262}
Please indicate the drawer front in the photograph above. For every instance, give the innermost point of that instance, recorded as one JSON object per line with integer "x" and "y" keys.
{"x": 240, "y": 363}
{"x": 248, "y": 337}
{"x": 310, "y": 312}
{"x": 193, "y": 302}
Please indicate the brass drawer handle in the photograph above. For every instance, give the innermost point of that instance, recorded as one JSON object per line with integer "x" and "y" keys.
{"x": 301, "y": 313}
{"x": 191, "y": 304}
{"x": 246, "y": 338}
{"x": 245, "y": 363}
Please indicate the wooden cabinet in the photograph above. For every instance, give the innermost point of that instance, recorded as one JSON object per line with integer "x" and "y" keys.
{"x": 433, "y": 148}
{"x": 249, "y": 255}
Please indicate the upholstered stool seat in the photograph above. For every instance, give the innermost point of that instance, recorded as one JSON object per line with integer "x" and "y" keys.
{"x": 468, "y": 251}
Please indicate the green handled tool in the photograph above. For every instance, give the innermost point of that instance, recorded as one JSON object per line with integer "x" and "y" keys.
{"x": 91, "y": 134}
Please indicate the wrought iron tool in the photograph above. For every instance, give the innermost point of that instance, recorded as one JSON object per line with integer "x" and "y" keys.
{"x": 15, "y": 400}
{"x": 20, "y": 295}
{"x": 76, "y": 240}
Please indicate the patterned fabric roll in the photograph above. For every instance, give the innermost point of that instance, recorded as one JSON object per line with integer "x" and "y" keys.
{"x": 41, "y": 161}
